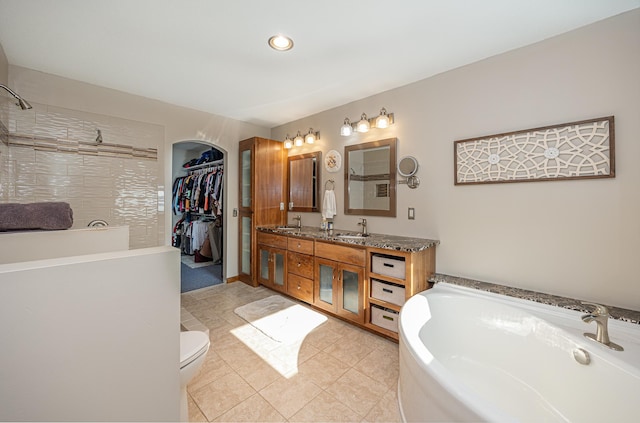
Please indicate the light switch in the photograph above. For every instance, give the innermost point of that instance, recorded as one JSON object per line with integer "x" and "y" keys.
{"x": 235, "y": 212}
{"x": 281, "y": 206}
{"x": 412, "y": 213}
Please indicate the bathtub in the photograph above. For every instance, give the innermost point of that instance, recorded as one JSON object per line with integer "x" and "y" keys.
{"x": 468, "y": 355}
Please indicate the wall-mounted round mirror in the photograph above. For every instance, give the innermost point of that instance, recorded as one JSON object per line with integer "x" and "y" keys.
{"x": 407, "y": 166}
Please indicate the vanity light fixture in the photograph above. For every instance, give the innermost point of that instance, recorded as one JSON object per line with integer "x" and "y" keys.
{"x": 280, "y": 42}
{"x": 299, "y": 140}
{"x": 383, "y": 120}
{"x": 288, "y": 143}
{"x": 363, "y": 125}
{"x": 346, "y": 129}
{"x": 311, "y": 136}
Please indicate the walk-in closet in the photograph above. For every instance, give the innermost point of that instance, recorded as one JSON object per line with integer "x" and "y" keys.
{"x": 197, "y": 205}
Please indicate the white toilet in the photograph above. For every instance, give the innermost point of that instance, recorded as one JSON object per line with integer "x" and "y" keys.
{"x": 193, "y": 350}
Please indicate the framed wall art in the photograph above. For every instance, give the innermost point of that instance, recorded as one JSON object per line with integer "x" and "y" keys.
{"x": 574, "y": 150}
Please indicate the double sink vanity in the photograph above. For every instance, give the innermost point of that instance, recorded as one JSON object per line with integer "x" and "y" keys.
{"x": 362, "y": 279}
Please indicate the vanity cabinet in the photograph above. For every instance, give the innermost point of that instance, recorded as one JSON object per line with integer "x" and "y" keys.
{"x": 262, "y": 195}
{"x": 364, "y": 284}
{"x": 340, "y": 280}
{"x": 272, "y": 261}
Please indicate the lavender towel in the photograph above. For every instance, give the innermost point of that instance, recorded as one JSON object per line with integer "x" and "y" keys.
{"x": 48, "y": 216}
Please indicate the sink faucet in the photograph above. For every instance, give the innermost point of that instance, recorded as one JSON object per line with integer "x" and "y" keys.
{"x": 601, "y": 316}
{"x": 363, "y": 223}
{"x": 299, "y": 219}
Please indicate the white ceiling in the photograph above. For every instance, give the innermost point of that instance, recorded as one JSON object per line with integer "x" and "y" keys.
{"x": 212, "y": 55}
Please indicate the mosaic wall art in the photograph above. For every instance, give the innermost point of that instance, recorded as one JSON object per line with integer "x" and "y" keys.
{"x": 575, "y": 150}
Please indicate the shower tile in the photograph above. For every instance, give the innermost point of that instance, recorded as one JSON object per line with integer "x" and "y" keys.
{"x": 55, "y": 180}
{"x": 45, "y": 157}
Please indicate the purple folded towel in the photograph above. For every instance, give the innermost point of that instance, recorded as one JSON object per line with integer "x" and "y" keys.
{"x": 48, "y": 216}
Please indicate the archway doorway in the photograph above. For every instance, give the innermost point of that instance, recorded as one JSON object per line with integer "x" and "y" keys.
{"x": 197, "y": 210}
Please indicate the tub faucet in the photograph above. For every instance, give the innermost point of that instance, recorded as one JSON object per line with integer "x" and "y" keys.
{"x": 299, "y": 219}
{"x": 601, "y": 316}
{"x": 363, "y": 223}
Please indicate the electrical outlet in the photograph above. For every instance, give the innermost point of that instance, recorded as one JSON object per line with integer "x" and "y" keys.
{"x": 281, "y": 206}
{"x": 411, "y": 213}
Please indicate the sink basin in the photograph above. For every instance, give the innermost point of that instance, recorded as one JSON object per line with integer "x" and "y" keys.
{"x": 287, "y": 228}
{"x": 352, "y": 236}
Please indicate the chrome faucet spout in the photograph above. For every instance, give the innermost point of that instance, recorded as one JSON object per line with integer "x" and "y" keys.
{"x": 363, "y": 223}
{"x": 601, "y": 317}
{"x": 299, "y": 219}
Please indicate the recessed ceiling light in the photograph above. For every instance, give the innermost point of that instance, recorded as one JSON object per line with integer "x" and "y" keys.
{"x": 281, "y": 43}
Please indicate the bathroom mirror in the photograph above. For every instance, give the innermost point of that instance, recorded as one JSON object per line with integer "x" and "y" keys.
{"x": 303, "y": 176}
{"x": 370, "y": 178}
{"x": 407, "y": 166}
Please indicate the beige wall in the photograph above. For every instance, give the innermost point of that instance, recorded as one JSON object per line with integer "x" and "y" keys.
{"x": 179, "y": 124}
{"x": 4, "y": 67}
{"x": 574, "y": 238}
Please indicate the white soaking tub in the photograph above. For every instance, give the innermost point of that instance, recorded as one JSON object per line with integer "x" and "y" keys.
{"x": 468, "y": 355}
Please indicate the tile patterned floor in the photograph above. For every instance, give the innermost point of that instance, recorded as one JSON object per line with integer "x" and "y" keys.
{"x": 339, "y": 373}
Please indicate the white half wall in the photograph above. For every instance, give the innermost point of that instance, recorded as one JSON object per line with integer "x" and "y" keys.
{"x": 91, "y": 338}
{"x": 38, "y": 245}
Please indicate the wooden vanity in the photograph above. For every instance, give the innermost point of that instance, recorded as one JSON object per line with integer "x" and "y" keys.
{"x": 363, "y": 281}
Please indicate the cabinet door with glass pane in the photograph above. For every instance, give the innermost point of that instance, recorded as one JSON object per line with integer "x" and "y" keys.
{"x": 326, "y": 284}
{"x": 272, "y": 267}
{"x": 350, "y": 292}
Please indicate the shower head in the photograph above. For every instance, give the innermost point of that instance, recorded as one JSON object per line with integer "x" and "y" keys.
{"x": 22, "y": 103}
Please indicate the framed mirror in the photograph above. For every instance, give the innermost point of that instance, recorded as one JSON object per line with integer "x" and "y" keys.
{"x": 303, "y": 171}
{"x": 370, "y": 178}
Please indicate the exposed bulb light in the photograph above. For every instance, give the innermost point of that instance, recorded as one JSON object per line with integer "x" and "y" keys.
{"x": 298, "y": 140}
{"x": 363, "y": 125}
{"x": 310, "y": 138}
{"x": 346, "y": 129}
{"x": 288, "y": 144}
{"x": 382, "y": 121}
{"x": 281, "y": 42}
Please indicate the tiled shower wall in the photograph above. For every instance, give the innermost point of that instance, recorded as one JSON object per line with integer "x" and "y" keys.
{"x": 123, "y": 190}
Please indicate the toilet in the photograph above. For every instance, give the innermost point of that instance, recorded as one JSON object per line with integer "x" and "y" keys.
{"x": 193, "y": 350}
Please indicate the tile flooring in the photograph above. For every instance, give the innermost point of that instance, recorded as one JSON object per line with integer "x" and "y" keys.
{"x": 339, "y": 373}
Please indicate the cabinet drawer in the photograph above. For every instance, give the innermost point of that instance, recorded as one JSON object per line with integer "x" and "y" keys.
{"x": 299, "y": 287}
{"x": 341, "y": 253}
{"x": 304, "y": 246}
{"x": 300, "y": 264}
{"x": 384, "y": 291}
{"x": 388, "y": 266}
{"x": 278, "y": 241}
{"x": 384, "y": 318}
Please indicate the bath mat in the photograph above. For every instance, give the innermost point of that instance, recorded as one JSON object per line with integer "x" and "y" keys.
{"x": 281, "y": 319}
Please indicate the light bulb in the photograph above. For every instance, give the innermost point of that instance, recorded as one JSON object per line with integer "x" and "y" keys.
{"x": 298, "y": 140}
{"x": 288, "y": 143}
{"x": 382, "y": 121}
{"x": 363, "y": 125}
{"x": 281, "y": 43}
{"x": 346, "y": 129}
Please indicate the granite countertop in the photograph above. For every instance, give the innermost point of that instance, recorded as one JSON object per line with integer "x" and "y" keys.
{"x": 387, "y": 242}
{"x": 631, "y": 316}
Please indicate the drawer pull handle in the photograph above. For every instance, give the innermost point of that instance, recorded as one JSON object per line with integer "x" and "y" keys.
{"x": 299, "y": 264}
{"x": 388, "y": 265}
{"x": 298, "y": 245}
{"x": 387, "y": 317}
{"x": 390, "y": 291}
{"x": 298, "y": 286}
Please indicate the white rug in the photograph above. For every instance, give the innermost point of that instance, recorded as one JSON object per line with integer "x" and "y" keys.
{"x": 281, "y": 319}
